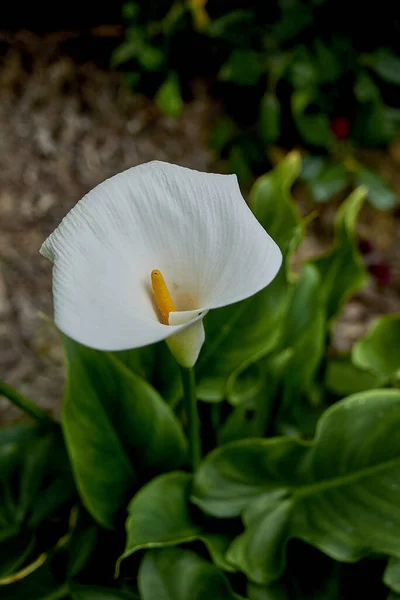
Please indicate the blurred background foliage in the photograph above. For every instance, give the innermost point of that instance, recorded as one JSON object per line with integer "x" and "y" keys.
{"x": 314, "y": 74}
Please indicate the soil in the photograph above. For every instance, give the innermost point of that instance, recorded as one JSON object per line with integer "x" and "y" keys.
{"x": 65, "y": 126}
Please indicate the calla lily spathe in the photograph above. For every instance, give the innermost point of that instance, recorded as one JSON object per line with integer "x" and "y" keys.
{"x": 194, "y": 227}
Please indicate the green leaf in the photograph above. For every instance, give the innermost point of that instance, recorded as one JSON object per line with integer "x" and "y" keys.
{"x": 231, "y": 26}
{"x": 304, "y": 332}
{"x": 391, "y": 577}
{"x": 32, "y": 461}
{"x": 243, "y": 67}
{"x": 276, "y": 591}
{"x": 15, "y": 552}
{"x": 379, "y": 350}
{"x": 239, "y": 164}
{"x": 242, "y": 423}
{"x": 14, "y": 440}
{"x": 272, "y": 204}
{"x": 314, "y": 128}
{"x": 343, "y": 378}
{"x": 293, "y": 19}
{"x": 222, "y": 133}
{"x": 244, "y": 332}
{"x": 332, "y": 179}
{"x": 254, "y": 407}
{"x": 82, "y": 544}
{"x": 386, "y": 65}
{"x": 94, "y": 592}
{"x": 40, "y": 585}
{"x": 379, "y": 193}
{"x": 168, "y": 97}
{"x": 365, "y": 89}
{"x": 341, "y": 269}
{"x": 159, "y": 516}
{"x": 339, "y": 493}
{"x": 33, "y": 471}
{"x": 130, "y": 10}
{"x": 328, "y": 66}
{"x": 376, "y": 124}
{"x": 312, "y": 166}
{"x": 128, "y": 50}
{"x": 151, "y": 58}
{"x": 176, "y": 574}
{"x": 118, "y": 430}
{"x": 270, "y": 118}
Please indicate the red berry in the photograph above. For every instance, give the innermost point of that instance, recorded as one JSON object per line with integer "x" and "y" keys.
{"x": 340, "y": 127}
{"x": 381, "y": 272}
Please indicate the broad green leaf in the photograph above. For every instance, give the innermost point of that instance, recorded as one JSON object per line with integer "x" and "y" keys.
{"x": 242, "y": 333}
{"x": 272, "y": 204}
{"x": 270, "y": 118}
{"x": 168, "y": 97}
{"x": 386, "y": 65}
{"x": 391, "y": 577}
{"x": 243, "y": 67}
{"x": 58, "y": 492}
{"x": 314, "y": 128}
{"x": 32, "y": 473}
{"x": 159, "y": 516}
{"x": 379, "y": 350}
{"x": 243, "y": 422}
{"x": 34, "y": 461}
{"x": 253, "y": 413}
{"x": 275, "y": 591}
{"x": 94, "y": 592}
{"x": 379, "y": 193}
{"x": 176, "y": 574}
{"x": 328, "y": 65}
{"x": 83, "y": 542}
{"x": 343, "y": 378}
{"x": 151, "y": 58}
{"x": 339, "y": 493}
{"x": 304, "y": 332}
{"x": 118, "y": 430}
{"x": 140, "y": 361}
{"x": 341, "y": 269}
{"x": 332, "y": 179}
{"x": 376, "y": 123}
{"x": 365, "y": 89}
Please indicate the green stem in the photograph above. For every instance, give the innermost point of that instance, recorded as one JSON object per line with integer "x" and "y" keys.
{"x": 25, "y": 404}
{"x": 193, "y": 424}
{"x": 59, "y": 593}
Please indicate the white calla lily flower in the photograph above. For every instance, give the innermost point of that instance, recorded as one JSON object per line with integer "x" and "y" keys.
{"x": 190, "y": 234}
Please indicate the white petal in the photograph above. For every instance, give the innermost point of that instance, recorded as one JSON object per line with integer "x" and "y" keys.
{"x": 195, "y": 227}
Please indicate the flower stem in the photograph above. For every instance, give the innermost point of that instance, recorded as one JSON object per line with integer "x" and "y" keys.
{"x": 193, "y": 424}
{"x": 24, "y": 404}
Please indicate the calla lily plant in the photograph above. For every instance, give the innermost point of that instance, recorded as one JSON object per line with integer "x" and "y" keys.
{"x": 146, "y": 254}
